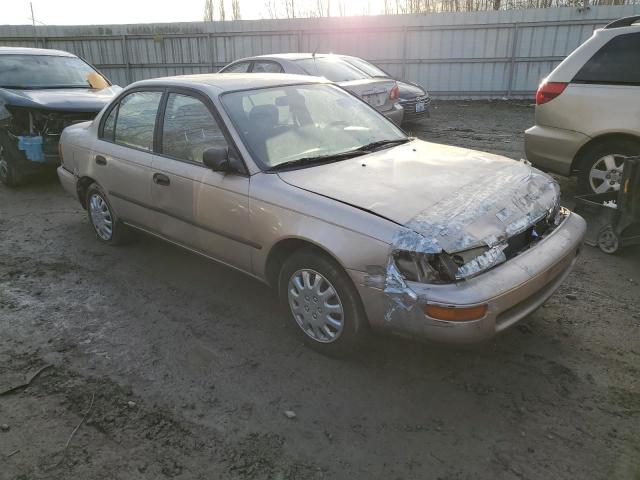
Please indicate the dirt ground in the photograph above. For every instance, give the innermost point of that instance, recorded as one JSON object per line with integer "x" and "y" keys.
{"x": 164, "y": 365}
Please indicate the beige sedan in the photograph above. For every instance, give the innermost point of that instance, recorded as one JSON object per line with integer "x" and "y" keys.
{"x": 305, "y": 187}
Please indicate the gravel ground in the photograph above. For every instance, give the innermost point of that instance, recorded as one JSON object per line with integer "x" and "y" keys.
{"x": 162, "y": 365}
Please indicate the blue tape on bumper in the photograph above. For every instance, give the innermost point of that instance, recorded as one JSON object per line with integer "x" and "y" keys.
{"x": 32, "y": 148}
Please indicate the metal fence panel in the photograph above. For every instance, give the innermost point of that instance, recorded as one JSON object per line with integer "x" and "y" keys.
{"x": 455, "y": 55}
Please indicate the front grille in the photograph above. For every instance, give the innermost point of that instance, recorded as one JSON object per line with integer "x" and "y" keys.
{"x": 410, "y": 106}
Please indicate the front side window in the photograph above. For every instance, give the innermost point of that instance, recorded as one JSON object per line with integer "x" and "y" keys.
{"x": 189, "y": 129}
{"x": 262, "y": 66}
{"x": 135, "y": 120}
{"x": 290, "y": 123}
{"x": 617, "y": 62}
{"x": 47, "y": 71}
{"x": 331, "y": 68}
{"x": 241, "y": 67}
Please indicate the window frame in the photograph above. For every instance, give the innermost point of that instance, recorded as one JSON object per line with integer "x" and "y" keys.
{"x": 198, "y": 95}
{"x": 116, "y": 105}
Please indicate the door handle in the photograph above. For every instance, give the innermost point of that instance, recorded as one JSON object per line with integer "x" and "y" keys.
{"x": 160, "y": 179}
{"x": 100, "y": 160}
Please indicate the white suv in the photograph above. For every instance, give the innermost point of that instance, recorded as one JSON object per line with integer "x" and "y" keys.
{"x": 588, "y": 109}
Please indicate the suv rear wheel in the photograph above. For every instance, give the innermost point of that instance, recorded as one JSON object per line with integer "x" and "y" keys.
{"x": 601, "y": 166}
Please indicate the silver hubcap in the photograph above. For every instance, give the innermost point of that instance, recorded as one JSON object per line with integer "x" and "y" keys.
{"x": 316, "y": 306}
{"x": 606, "y": 174}
{"x": 101, "y": 216}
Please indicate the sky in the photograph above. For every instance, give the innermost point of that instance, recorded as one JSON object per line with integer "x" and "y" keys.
{"x": 87, "y": 12}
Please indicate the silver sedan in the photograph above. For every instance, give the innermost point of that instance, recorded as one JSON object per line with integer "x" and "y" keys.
{"x": 305, "y": 187}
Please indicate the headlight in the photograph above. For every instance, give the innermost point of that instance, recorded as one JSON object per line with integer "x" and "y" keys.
{"x": 445, "y": 268}
{"x": 426, "y": 267}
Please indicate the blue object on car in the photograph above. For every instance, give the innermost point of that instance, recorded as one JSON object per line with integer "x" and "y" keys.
{"x": 32, "y": 147}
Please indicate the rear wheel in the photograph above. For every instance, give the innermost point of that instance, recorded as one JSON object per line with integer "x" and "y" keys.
{"x": 106, "y": 225}
{"x": 601, "y": 166}
{"x": 324, "y": 305}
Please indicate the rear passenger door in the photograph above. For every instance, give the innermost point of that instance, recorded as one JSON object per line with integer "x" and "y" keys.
{"x": 200, "y": 208}
{"x": 123, "y": 155}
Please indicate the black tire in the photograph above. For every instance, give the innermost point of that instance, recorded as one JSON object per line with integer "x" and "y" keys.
{"x": 592, "y": 155}
{"x": 10, "y": 173}
{"x": 354, "y": 322}
{"x": 119, "y": 232}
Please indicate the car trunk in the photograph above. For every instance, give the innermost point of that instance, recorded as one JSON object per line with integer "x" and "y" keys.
{"x": 374, "y": 91}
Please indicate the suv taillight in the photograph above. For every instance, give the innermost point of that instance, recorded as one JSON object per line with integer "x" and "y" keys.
{"x": 394, "y": 93}
{"x": 547, "y": 91}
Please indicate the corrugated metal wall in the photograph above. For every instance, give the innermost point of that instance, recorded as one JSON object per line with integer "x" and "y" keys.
{"x": 455, "y": 55}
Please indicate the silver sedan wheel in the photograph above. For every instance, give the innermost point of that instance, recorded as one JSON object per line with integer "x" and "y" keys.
{"x": 315, "y": 305}
{"x": 101, "y": 216}
{"x": 606, "y": 174}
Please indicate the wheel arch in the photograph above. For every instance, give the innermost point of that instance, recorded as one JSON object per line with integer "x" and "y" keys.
{"x": 82, "y": 186}
{"x": 599, "y": 140}
{"x": 284, "y": 248}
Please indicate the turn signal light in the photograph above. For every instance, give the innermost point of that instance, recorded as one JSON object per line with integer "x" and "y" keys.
{"x": 456, "y": 314}
{"x": 547, "y": 91}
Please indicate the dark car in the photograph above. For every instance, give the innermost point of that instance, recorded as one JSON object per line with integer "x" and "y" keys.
{"x": 41, "y": 93}
{"x": 413, "y": 98}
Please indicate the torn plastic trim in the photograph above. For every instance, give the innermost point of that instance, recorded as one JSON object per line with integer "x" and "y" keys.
{"x": 486, "y": 214}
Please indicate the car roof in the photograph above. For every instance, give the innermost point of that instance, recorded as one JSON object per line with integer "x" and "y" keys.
{"x": 232, "y": 81}
{"x": 290, "y": 56}
{"x": 34, "y": 51}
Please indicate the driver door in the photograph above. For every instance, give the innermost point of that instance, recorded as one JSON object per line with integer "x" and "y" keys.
{"x": 201, "y": 209}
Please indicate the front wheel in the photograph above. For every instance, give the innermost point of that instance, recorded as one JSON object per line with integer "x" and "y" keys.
{"x": 324, "y": 305}
{"x": 10, "y": 174}
{"x": 106, "y": 225}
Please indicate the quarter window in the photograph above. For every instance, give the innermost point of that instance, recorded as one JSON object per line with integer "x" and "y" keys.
{"x": 189, "y": 129}
{"x": 617, "y": 62}
{"x": 135, "y": 120}
{"x": 242, "y": 67}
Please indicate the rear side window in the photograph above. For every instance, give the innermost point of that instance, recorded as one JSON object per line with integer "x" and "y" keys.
{"x": 333, "y": 69}
{"x": 262, "y": 66}
{"x": 242, "y": 67}
{"x": 617, "y": 62}
{"x": 135, "y": 120}
{"x": 189, "y": 129}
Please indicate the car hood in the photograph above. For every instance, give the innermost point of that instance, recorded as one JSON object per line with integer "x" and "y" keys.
{"x": 447, "y": 198}
{"x": 63, "y": 99}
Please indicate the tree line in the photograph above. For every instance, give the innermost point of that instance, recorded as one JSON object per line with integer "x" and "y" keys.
{"x": 216, "y": 9}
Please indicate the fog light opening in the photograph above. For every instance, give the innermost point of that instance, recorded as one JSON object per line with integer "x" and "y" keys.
{"x": 455, "y": 314}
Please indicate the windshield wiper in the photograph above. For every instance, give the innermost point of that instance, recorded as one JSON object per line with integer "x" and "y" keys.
{"x": 377, "y": 145}
{"x": 336, "y": 157}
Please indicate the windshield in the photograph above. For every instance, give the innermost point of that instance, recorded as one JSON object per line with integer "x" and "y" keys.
{"x": 366, "y": 67}
{"x": 47, "y": 71}
{"x": 288, "y": 123}
{"x": 331, "y": 68}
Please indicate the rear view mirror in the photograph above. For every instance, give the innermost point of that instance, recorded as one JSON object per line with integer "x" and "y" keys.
{"x": 217, "y": 159}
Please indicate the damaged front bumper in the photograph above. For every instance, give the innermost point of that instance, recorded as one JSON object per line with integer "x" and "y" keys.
{"x": 510, "y": 291}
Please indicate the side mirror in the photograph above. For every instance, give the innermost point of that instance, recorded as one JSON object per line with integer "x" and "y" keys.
{"x": 217, "y": 159}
